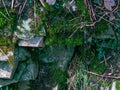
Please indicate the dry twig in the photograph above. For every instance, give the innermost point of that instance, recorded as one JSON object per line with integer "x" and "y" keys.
{"x": 42, "y": 2}
{"x": 12, "y": 4}
{"x": 5, "y": 8}
{"x": 35, "y": 16}
{"x": 70, "y": 82}
{"x": 103, "y": 76}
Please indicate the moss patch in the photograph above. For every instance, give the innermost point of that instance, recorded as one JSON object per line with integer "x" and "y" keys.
{"x": 58, "y": 77}
{"x": 117, "y": 85}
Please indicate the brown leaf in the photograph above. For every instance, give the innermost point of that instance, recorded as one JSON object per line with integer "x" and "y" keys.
{"x": 107, "y": 5}
{"x": 112, "y": 17}
{"x": 51, "y": 2}
{"x": 85, "y": 2}
{"x": 42, "y": 2}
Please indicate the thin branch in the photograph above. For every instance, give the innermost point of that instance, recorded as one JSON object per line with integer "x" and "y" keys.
{"x": 21, "y": 9}
{"x": 118, "y": 3}
{"x": 12, "y": 4}
{"x": 105, "y": 59}
{"x": 35, "y": 16}
{"x": 103, "y": 76}
{"x": 70, "y": 82}
{"x": 23, "y": 6}
{"x": 41, "y": 1}
{"x": 5, "y": 8}
{"x": 4, "y": 15}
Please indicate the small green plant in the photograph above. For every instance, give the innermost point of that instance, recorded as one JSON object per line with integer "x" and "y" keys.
{"x": 59, "y": 77}
{"x": 62, "y": 26}
{"x": 2, "y": 22}
{"x": 117, "y": 85}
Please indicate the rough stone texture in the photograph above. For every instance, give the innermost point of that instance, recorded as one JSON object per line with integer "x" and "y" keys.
{"x": 57, "y": 53}
{"x": 51, "y": 2}
{"x": 6, "y": 70}
{"x": 34, "y": 42}
{"x": 52, "y": 59}
{"x": 7, "y": 64}
{"x": 5, "y": 57}
{"x": 27, "y": 68}
{"x": 24, "y": 29}
{"x": 43, "y": 81}
{"x": 24, "y": 85}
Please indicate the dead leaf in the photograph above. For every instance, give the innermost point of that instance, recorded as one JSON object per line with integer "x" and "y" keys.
{"x": 51, "y": 2}
{"x": 112, "y": 17}
{"x": 112, "y": 3}
{"x": 85, "y": 2}
{"x": 42, "y": 2}
{"x": 109, "y": 4}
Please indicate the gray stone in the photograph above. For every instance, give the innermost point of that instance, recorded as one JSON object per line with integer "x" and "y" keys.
{"x": 51, "y": 2}
{"x": 27, "y": 68}
{"x": 7, "y": 64}
{"x": 57, "y": 53}
{"x": 21, "y": 54}
{"x": 34, "y": 42}
{"x": 24, "y": 29}
{"x": 7, "y": 70}
{"x": 5, "y": 57}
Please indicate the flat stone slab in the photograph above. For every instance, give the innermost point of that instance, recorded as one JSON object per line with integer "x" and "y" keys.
{"x": 34, "y": 42}
{"x": 5, "y": 57}
{"x": 4, "y": 74}
{"x": 7, "y": 69}
{"x": 7, "y": 64}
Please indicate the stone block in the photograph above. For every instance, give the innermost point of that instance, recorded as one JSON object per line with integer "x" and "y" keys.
{"x": 34, "y": 42}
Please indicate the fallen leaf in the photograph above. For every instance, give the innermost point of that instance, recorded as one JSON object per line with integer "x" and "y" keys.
{"x": 109, "y": 4}
{"x": 112, "y": 3}
{"x": 112, "y": 17}
{"x": 51, "y": 2}
{"x": 85, "y": 2}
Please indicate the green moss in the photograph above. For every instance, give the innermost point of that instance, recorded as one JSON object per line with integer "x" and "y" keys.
{"x": 4, "y": 41}
{"x": 72, "y": 41}
{"x": 95, "y": 66}
{"x": 61, "y": 24}
{"x": 81, "y": 6}
{"x": 117, "y": 85}
{"x": 105, "y": 84}
{"x": 101, "y": 27}
{"x": 58, "y": 77}
{"x": 83, "y": 9}
{"x": 2, "y": 22}
{"x": 7, "y": 26}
